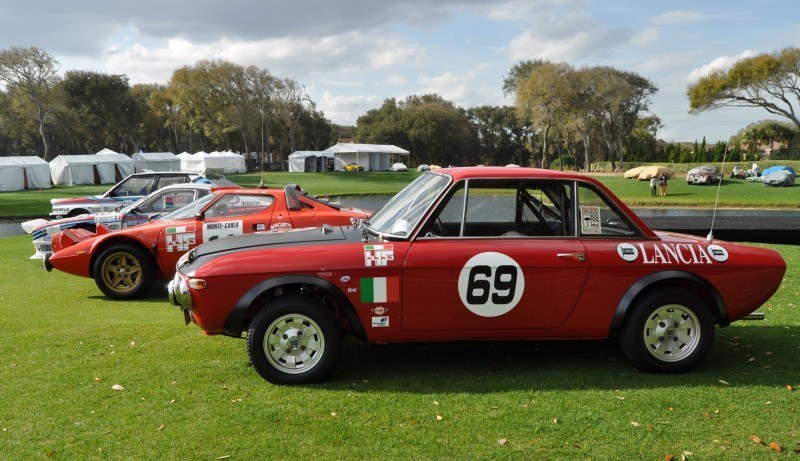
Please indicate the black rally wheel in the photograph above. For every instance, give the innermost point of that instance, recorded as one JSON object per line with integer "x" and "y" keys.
{"x": 123, "y": 271}
{"x": 294, "y": 339}
{"x": 669, "y": 330}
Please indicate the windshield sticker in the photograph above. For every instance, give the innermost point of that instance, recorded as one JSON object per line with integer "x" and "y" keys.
{"x": 380, "y": 289}
{"x": 590, "y": 220}
{"x": 180, "y": 238}
{"x": 378, "y": 255}
{"x": 491, "y": 284}
{"x": 216, "y": 230}
{"x": 672, "y": 253}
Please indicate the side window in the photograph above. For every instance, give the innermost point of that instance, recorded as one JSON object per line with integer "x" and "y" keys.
{"x": 137, "y": 185}
{"x": 598, "y": 218}
{"x": 165, "y": 181}
{"x": 504, "y": 208}
{"x": 239, "y": 205}
{"x": 168, "y": 201}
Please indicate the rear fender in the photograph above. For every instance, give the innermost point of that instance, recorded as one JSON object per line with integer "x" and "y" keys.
{"x": 235, "y": 323}
{"x": 665, "y": 278}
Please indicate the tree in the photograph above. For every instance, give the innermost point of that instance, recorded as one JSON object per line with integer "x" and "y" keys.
{"x": 33, "y": 72}
{"x": 502, "y": 136}
{"x": 519, "y": 72}
{"x": 767, "y": 80}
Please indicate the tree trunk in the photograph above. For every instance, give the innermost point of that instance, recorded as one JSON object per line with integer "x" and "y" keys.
{"x": 45, "y": 139}
{"x": 545, "y": 145}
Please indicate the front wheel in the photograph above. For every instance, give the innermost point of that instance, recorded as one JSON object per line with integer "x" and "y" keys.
{"x": 668, "y": 331}
{"x": 294, "y": 339}
{"x": 123, "y": 271}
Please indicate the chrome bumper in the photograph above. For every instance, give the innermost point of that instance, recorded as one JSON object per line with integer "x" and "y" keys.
{"x": 178, "y": 292}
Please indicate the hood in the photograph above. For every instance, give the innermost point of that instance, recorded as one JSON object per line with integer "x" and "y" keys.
{"x": 259, "y": 240}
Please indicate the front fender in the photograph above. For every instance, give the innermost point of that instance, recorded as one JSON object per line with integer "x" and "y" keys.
{"x": 234, "y": 323}
{"x": 658, "y": 278}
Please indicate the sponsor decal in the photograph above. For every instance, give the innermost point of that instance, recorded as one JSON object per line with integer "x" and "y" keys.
{"x": 261, "y": 227}
{"x": 378, "y": 255}
{"x": 355, "y": 222}
{"x": 672, "y": 253}
{"x": 627, "y": 252}
{"x": 222, "y": 229}
{"x": 590, "y": 220}
{"x": 352, "y": 290}
{"x": 380, "y": 290}
{"x": 180, "y": 238}
{"x": 107, "y": 217}
{"x": 345, "y": 278}
{"x": 491, "y": 284}
{"x": 50, "y": 230}
{"x": 380, "y": 322}
{"x": 278, "y": 226}
{"x": 380, "y": 310}
{"x": 46, "y": 247}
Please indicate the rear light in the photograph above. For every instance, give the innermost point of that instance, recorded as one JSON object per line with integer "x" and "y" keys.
{"x": 197, "y": 284}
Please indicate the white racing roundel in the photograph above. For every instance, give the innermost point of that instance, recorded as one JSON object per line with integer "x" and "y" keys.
{"x": 718, "y": 253}
{"x": 491, "y": 284}
{"x": 627, "y": 252}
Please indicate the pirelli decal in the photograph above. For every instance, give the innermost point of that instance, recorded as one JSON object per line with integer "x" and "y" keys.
{"x": 380, "y": 290}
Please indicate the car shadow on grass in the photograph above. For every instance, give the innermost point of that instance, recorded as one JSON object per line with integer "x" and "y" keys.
{"x": 740, "y": 356}
{"x": 156, "y": 294}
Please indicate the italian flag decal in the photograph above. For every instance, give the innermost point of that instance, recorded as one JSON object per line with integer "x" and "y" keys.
{"x": 179, "y": 229}
{"x": 380, "y": 290}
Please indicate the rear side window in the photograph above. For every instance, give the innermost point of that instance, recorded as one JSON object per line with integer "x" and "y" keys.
{"x": 597, "y": 217}
{"x": 239, "y": 205}
{"x": 169, "y": 180}
{"x": 136, "y": 185}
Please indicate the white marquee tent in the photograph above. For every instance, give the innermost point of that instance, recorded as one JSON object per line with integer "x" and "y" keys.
{"x": 224, "y": 162}
{"x": 308, "y": 161}
{"x": 105, "y": 167}
{"x": 156, "y": 161}
{"x": 370, "y": 156}
{"x": 29, "y": 172}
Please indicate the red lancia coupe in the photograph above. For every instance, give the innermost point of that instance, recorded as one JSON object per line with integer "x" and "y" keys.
{"x": 124, "y": 263}
{"x": 475, "y": 254}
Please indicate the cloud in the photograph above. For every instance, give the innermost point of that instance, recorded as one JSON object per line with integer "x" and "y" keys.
{"x": 678, "y": 17}
{"x": 722, "y": 62}
{"x": 646, "y": 36}
{"x": 345, "y": 109}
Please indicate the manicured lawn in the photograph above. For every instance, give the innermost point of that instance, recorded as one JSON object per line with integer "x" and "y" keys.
{"x": 186, "y": 396}
{"x": 733, "y": 193}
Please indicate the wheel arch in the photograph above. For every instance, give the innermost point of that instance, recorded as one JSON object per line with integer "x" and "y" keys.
{"x": 680, "y": 279}
{"x": 120, "y": 240}
{"x": 235, "y": 323}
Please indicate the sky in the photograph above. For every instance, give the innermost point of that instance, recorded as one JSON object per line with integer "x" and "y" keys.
{"x": 351, "y": 55}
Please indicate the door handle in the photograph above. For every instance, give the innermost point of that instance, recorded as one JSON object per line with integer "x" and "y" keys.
{"x": 579, "y": 256}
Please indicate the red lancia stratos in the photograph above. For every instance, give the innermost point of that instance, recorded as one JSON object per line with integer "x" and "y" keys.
{"x": 475, "y": 253}
{"x": 124, "y": 263}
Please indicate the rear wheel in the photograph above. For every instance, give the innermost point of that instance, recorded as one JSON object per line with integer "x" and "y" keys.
{"x": 668, "y": 331}
{"x": 294, "y": 339}
{"x": 123, "y": 271}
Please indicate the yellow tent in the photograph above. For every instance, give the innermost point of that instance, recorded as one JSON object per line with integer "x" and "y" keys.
{"x": 633, "y": 172}
{"x": 655, "y": 171}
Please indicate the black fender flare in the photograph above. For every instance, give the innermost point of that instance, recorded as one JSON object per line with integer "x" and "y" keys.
{"x": 235, "y": 321}
{"x": 648, "y": 281}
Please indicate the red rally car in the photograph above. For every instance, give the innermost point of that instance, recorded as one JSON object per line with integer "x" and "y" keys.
{"x": 469, "y": 254}
{"x": 125, "y": 263}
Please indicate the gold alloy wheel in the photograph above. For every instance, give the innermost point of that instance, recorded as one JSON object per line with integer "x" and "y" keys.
{"x": 121, "y": 272}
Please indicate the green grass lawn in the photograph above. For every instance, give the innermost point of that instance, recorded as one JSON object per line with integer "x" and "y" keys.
{"x": 186, "y": 396}
{"x": 732, "y": 194}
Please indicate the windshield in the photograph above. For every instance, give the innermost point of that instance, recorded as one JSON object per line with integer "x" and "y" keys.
{"x": 128, "y": 208}
{"x": 189, "y": 210}
{"x": 403, "y": 212}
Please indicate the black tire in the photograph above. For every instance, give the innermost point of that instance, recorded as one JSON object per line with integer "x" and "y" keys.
{"x": 77, "y": 212}
{"x": 294, "y": 339}
{"x": 669, "y": 330}
{"x": 123, "y": 271}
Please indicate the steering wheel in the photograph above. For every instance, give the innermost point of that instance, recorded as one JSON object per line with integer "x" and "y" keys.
{"x": 439, "y": 226}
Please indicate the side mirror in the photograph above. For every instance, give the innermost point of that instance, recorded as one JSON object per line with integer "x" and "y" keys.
{"x": 200, "y": 215}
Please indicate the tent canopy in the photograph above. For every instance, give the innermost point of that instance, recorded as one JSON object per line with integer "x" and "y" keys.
{"x": 369, "y": 156}
{"x": 73, "y": 170}
{"x": 156, "y": 161}
{"x": 634, "y": 172}
{"x": 28, "y": 172}
{"x": 308, "y": 160}
{"x": 224, "y": 162}
{"x": 650, "y": 172}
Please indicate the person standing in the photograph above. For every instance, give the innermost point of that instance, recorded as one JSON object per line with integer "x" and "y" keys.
{"x": 653, "y": 186}
{"x": 663, "y": 180}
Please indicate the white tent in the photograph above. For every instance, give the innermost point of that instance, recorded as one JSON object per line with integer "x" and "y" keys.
{"x": 184, "y": 159}
{"x": 223, "y": 162}
{"x": 17, "y": 173}
{"x": 308, "y": 161}
{"x": 369, "y": 156}
{"x": 156, "y": 161}
{"x": 73, "y": 170}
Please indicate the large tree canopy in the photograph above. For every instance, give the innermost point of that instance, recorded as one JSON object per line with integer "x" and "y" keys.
{"x": 768, "y": 80}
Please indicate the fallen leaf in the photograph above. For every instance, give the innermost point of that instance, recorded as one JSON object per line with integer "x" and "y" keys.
{"x": 97, "y": 380}
{"x": 775, "y": 446}
{"x": 502, "y": 441}
{"x": 160, "y": 428}
{"x": 766, "y": 367}
{"x": 722, "y": 381}
{"x": 789, "y": 387}
{"x": 707, "y": 415}
{"x": 224, "y": 457}
{"x": 438, "y": 417}
{"x": 117, "y": 387}
{"x": 635, "y": 424}
{"x": 435, "y": 402}
{"x": 555, "y": 420}
{"x": 133, "y": 343}
{"x": 751, "y": 359}
{"x": 755, "y": 438}
{"x": 669, "y": 458}
{"x": 620, "y": 397}
{"x": 334, "y": 414}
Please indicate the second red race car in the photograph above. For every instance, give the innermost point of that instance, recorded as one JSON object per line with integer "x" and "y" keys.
{"x": 125, "y": 263}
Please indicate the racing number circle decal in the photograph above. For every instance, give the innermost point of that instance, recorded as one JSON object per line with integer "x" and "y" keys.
{"x": 490, "y": 284}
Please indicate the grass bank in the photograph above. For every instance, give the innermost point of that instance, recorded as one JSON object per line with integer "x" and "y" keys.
{"x": 63, "y": 347}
